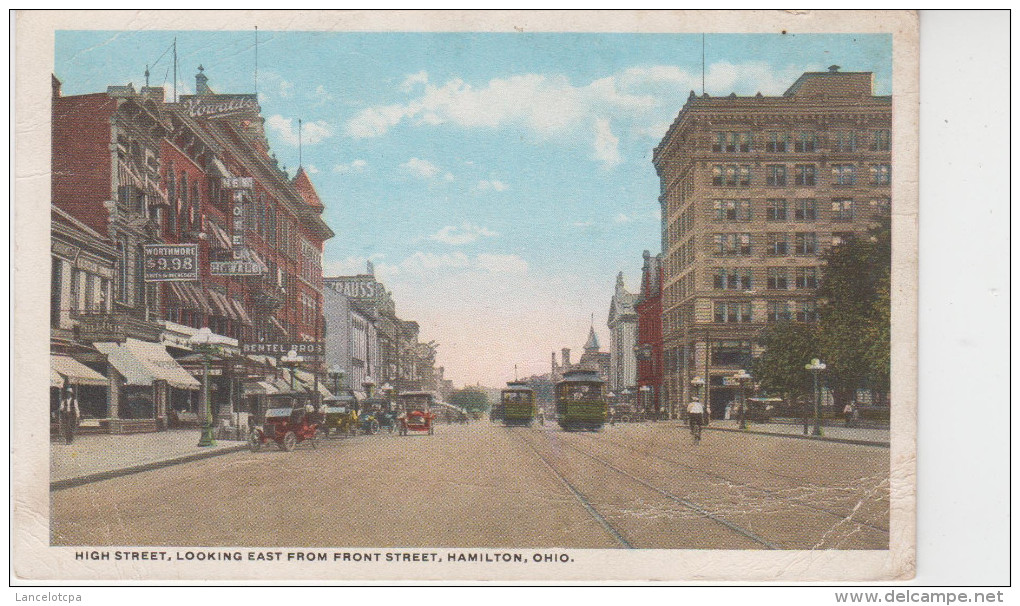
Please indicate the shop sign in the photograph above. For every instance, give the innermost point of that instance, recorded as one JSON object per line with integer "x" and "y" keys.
{"x": 281, "y": 348}
{"x": 356, "y": 287}
{"x": 220, "y": 106}
{"x": 171, "y": 263}
{"x": 102, "y": 328}
{"x": 90, "y": 266}
{"x": 730, "y": 382}
{"x": 235, "y": 268}
{"x": 196, "y": 371}
{"x": 238, "y": 183}
{"x": 64, "y": 250}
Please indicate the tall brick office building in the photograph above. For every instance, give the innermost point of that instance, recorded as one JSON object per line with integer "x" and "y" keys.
{"x": 753, "y": 190}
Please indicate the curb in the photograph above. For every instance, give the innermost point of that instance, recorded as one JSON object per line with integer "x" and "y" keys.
{"x": 125, "y": 471}
{"x": 802, "y": 437}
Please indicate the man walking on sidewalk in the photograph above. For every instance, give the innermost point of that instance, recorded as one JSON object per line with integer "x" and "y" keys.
{"x": 69, "y": 414}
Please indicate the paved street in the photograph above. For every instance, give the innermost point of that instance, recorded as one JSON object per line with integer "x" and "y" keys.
{"x": 482, "y": 485}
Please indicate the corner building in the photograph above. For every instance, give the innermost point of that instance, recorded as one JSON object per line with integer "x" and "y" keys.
{"x": 753, "y": 191}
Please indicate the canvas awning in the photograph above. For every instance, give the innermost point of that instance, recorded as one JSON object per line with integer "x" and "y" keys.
{"x": 142, "y": 363}
{"x": 75, "y": 373}
{"x": 241, "y": 313}
{"x": 218, "y": 236}
{"x": 279, "y": 325}
{"x": 260, "y": 387}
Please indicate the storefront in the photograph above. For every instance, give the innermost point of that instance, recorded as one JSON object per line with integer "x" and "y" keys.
{"x": 88, "y": 386}
{"x": 143, "y": 377}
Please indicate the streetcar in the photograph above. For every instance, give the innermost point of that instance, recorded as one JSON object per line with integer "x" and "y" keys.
{"x": 517, "y": 404}
{"x": 581, "y": 401}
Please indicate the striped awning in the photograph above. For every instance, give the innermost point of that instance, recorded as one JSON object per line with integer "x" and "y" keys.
{"x": 222, "y": 305}
{"x": 218, "y": 236}
{"x": 189, "y": 296}
{"x": 241, "y": 313}
{"x": 142, "y": 363}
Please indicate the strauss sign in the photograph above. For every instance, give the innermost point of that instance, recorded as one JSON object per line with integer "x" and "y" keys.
{"x": 356, "y": 288}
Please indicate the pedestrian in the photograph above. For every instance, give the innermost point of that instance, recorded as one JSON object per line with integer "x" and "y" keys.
{"x": 848, "y": 414}
{"x": 728, "y": 411}
{"x": 708, "y": 414}
{"x": 69, "y": 414}
{"x": 695, "y": 416}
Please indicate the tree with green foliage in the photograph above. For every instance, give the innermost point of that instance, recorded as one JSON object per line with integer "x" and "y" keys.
{"x": 472, "y": 399}
{"x": 779, "y": 371}
{"x": 854, "y": 315}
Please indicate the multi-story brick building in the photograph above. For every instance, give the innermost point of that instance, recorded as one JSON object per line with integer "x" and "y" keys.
{"x": 649, "y": 334}
{"x": 753, "y": 191}
{"x": 140, "y": 170}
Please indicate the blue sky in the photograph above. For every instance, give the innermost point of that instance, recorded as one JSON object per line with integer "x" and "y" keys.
{"x": 498, "y": 181}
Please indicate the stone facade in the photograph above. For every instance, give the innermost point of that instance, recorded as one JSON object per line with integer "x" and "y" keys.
{"x": 753, "y": 191}
{"x": 622, "y": 325}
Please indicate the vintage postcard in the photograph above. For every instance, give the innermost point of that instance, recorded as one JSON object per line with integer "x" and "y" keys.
{"x": 492, "y": 296}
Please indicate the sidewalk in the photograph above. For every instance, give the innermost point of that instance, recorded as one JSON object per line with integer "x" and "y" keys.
{"x": 852, "y": 435}
{"x": 101, "y": 456}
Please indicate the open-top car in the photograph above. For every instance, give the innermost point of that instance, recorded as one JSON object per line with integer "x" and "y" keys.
{"x": 340, "y": 421}
{"x": 417, "y": 415}
{"x": 288, "y": 427}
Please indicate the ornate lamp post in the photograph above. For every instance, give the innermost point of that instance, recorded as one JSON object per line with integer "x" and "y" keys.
{"x": 816, "y": 366}
{"x": 368, "y": 384}
{"x": 336, "y": 374}
{"x": 742, "y": 378}
{"x": 644, "y": 389}
{"x": 205, "y": 343}
{"x": 292, "y": 360}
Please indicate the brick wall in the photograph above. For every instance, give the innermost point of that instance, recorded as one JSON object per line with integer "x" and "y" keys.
{"x": 81, "y": 178}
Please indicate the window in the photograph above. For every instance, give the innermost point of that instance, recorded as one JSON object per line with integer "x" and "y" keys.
{"x": 779, "y": 311}
{"x": 732, "y": 142}
{"x": 807, "y": 311}
{"x": 880, "y": 174}
{"x": 775, "y": 175}
{"x": 879, "y": 140}
{"x": 805, "y": 243}
{"x": 805, "y": 175}
{"x": 843, "y": 174}
{"x": 731, "y": 245}
{"x": 778, "y": 245}
{"x": 731, "y": 353}
{"x": 778, "y": 278}
{"x": 805, "y": 142}
{"x": 731, "y": 278}
{"x": 196, "y": 202}
{"x": 731, "y": 312}
{"x": 122, "y": 271}
{"x": 844, "y": 141}
{"x": 805, "y": 210}
{"x": 731, "y": 210}
{"x": 806, "y": 277}
{"x": 776, "y": 142}
{"x": 843, "y": 210}
{"x": 731, "y": 175}
{"x": 775, "y": 210}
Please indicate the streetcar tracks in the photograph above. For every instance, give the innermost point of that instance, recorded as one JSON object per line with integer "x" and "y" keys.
{"x": 772, "y": 493}
{"x": 686, "y": 503}
{"x": 581, "y": 498}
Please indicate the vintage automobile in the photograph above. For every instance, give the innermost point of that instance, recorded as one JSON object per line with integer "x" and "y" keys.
{"x": 340, "y": 421}
{"x": 761, "y": 410}
{"x": 384, "y": 413}
{"x": 368, "y": 423}
{"x": 288, "y": 427}
{"x": 417, "y": 415}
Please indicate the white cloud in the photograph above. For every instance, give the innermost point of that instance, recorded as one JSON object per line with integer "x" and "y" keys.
{"x": 622, "y": 218}
{"x": 641, "y": 99}
{"x": 607, "y": 145}
{"x": 355, "y": 166}
{"x": 583, "y": 223}
{"x": 463, "y": 234}
{"x": 421, "y": 77}
{"x": 423, "y": 262}
{"x": 494, "y": 185}
{"x": 311, "y": 132}
{"x": 320, "y": 95}
{"x": 311, "y": 170}
{"x": 286, "y": 88}
{"x": 424, "y": 169}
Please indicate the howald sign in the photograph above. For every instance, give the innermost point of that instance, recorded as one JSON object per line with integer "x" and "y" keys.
{"x": 356, "y": 287}
{"x": 220, "y": 106}
{"x": 281, "y": 348}
{"x": 171, "y": 263}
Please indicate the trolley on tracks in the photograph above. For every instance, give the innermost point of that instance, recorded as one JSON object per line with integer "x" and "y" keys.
{"x": 517, "y": 404}
{"x": 581, "y": 401}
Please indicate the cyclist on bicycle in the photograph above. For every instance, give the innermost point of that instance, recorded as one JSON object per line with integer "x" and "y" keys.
{"x": 695, "y": 417}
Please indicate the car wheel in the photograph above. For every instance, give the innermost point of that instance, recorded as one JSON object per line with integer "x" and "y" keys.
{"x": 289, "y": 441}
{"x": 254, "y": 441}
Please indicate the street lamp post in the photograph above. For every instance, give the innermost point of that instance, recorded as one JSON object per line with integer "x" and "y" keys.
{"x": 816, "y": 366}
{"x": 204, "y": 342}
{"x": 292, "y": 360}
{"x": 644, "y": 389}
{"x": 336, "y": 374}
{"x": 742, "y": 377}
